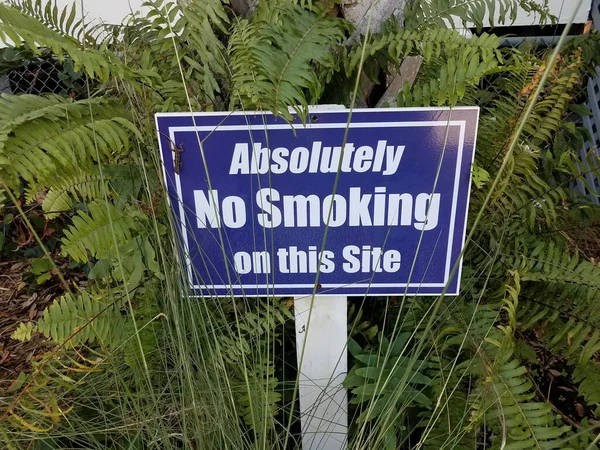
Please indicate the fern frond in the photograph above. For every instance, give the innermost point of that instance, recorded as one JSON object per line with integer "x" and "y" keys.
{"x": 506, "y": 396}
{"x": 523, "y": 195}
{"x": 526, "y": 424}
{"x": 283, "y": 61}
{"x": 587, "y": 375}
{"x": 134, "y": 351}
{"x": 431, "y": 44}
{"x": 64, "y": 20}
{"x": 258, "y": 398}
{"x": 35, "y": 405}
{"x": 23, "y": 332}
{"x": 452, "y": 63}
{"x": 3, "y": 199}
{"x": 201, "y": 18}
{"x": 253, "y": 325}
{"x": 445, "y": 13}
{"x": 451, "y": 427}
{"x": 374, "y": 379}
{"x": 449, "y": 86}
{"x": 18, "y": 29}
{"x": 118, "y": 181}
{"x": 17, "y": 110}
{"x": 552, "y": 265}
{"x": 82, "y": 318}
{"x": 91, "y": 234}
{"x": 60, "y": 137}
{"x": 182, "y": 36}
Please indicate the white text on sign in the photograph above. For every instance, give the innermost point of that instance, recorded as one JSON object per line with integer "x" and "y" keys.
{"x": 356, "y": 209}
{"x": 365, "y": 259}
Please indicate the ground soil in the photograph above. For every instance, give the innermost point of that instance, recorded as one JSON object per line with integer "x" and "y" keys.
{"x": 585, "y": 240}
{"x": 551, "y": 376}
{"x": 18, "y": 303}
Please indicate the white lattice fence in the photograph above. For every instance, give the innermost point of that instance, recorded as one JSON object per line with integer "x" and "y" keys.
{"x": 592, "y": 124}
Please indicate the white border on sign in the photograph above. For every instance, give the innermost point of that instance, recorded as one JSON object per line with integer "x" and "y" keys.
{"x": 263, "y": 127}
{"x": 317, "y": 110}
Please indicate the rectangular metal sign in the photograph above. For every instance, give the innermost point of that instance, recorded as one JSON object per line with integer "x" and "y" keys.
{"x": 370, "y": 203}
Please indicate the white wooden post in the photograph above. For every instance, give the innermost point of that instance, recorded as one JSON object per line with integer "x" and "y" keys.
{"x": 323, "y": 400}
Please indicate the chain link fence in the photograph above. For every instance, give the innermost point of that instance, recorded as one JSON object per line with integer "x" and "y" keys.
{"x": 23, "y": 73}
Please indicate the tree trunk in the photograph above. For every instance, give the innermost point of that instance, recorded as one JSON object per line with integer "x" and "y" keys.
{"x": 358, "y": 12}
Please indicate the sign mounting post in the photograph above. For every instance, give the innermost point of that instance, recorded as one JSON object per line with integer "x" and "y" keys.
{"x": 322, "y": 362}
{"x": 252, "y": 195}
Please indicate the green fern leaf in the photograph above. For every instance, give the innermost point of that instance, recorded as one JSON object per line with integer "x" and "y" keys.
{"x": 455, "y": 13}
{"x": 64, "y": 20}
{"x": 452, "y": 63}
{"x": 82, "y": 318}
{"x": 3, "y": 200}
{"x": 176, "y": 37}
{"x": 136, "y": 351}
{"x": 283, "y": 61}
{"x": 17, "y": 28}
{"x": 211, "y": 60}
{"x": 94, "y": 233}
{"x": 115, "y": 181}
{"x": 258, "y": 398}
{"x": 587, "y": 374}
{"x": 528, "y": 424}
{"x": 23, "y": 332}
{"x": 52, "y": 135}
{"x": 17, "y": 110}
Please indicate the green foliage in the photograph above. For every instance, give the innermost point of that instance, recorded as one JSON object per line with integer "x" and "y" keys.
{"x": 525, "y": 423}
{"x": 42, "y": 136}
{"x": 249, "y": 326}
{"x": 76, "y": 157}
{"x": 587, "y": 375}
{"x": 258, "y": 399}
{"x": 545, "y": 286}
{"x": 63, "y": 20}
{"x": 179, "y": 46}
{"x": 480, "y": 176}
{"x": 442, "y": 13}
{"x": 245, "y": 340}
{"x": 452, "y": 63}
{"x": 36, "y": 408}
{"x": 426, "y": 373}
{"x": 284, "y": 60}
{"x": 42, "y": 267}
{"x": 3, "y": 199}
{"x": 120, "y": 182}
{"x": 397, "y": 43}
{"x": 23, "y": 332}
{"x": 359, "y": 327}
{"x": 376, "y": 377}
{"x": 19, "y": 29}
{"x": 94, "y": 233}
{"x": 77, "y": 319}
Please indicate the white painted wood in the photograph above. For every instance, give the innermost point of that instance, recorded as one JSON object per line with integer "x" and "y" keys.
{"x": 564, "y": 10}
{"x": 323, "y": 400}
{"x": 106, "y": 11}
{"x": 114, "y": 11}
{"x": 358, "y": 12}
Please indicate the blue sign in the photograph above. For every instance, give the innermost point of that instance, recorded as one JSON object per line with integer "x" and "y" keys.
{"x": 369, "y": 204}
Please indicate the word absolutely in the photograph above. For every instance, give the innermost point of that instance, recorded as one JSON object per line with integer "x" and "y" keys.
{"x": 359, "y": 209}
{"x": 365, "y": 259}
{"x": 384, "y": 158}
